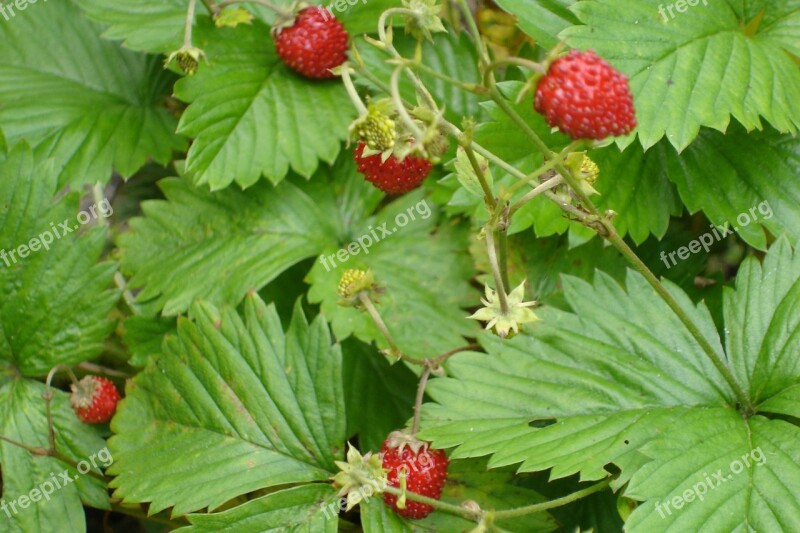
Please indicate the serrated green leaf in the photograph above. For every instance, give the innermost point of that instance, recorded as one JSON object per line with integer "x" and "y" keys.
{"x": 421, "y": 267}
{"x": 698, "y": 68}
{"x": 54, "y": 301}
{"x": 625, "y": 383}
{"x": 156, "y": 26}
{"x": 23, "y": 418}
{"x": 296, "y": 510}
{"x": 635, "y": 185}
{"x": 97, "y": 107}
{"x": 250, "y": 115}
{"x": 234, "y": 405}
{"x": 542, "y": 20}
{"x": 747, "y": 180}
{"x": 228, "y": 242}
{"x": 222, "y": 244}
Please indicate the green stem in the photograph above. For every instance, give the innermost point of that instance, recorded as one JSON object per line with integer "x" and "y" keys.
{"x": 476, "y": 34}
{"x": 544, "y": 506}
{"x": 187, "y": 28}
{"x": 366, "y": 301}
{"x": 548, "y": 165}
{"x": 98, "y": 197}
{"x": 436, "y": 504}
{"x": 719, "y": 362}
{"x": 502, "y": 245}
{"x": 536, "y": 191}
{"x": 394, "y": 84}
{"x": 98, "y": 369}
{"x": 382, "y": 22}
{"x": 466, "y": 144}
{"x": 423, "y": 380}
{"x": 516, "y": 61}
{"x": 498, "y": 278}
{"x": 469, "y": 87}
{"x": 351, "y": 90}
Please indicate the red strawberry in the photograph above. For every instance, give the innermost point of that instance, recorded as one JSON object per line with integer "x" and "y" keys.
{"x": 425, "y": 470}
{"x": 315, "y": 43}
{"x": 586, "y": 97}
{"x": 94, "y": 399}
{"x": 393, "y": 176}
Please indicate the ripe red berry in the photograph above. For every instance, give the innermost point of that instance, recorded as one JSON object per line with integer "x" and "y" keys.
{"x": 425, "y": 471}
{"x": 94, "y": 400}
{"x": 586, "y": 97}
{"x": 315, "y": 43}
{"x": 393, "y": 176}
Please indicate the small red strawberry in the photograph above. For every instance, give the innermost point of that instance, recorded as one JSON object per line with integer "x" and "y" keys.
{"x": 94, "y": 399}
{"x": 425, "y": 472}
{"x": 586, "y": 97}
{"x": 313, "y": 44}
{"x": 393, "y": 176}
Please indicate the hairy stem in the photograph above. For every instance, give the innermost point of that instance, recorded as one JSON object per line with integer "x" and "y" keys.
{"x": 536, "y": 191}
{"x": 436, "y": 504}
{"x": 366, "y": 301}
{"x": 558, "y": 502}
{"x": 498, "y": 278}
{"x": 187, "y": 28}
{"x": 491, "y": 203}
{"x": 423, "y": 380}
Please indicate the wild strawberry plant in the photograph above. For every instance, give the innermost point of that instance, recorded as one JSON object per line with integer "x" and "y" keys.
{"x": 395, "y": 265}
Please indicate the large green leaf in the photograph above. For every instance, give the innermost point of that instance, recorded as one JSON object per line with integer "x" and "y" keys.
{"x": 625, "y": 383}
{"x": 157, "y": 25}
{"x": 541, "y": 20}
{"x": 227, "y": 242}
{"x": 96, "y": 106}
{"x": 296, "y": 510}
{"x": 747, "y": 180}
{"x": 23, "y": 419}
{"x": 222, "y": 244}
{"x": 250, "y": 115}
{"x": 54, "y": 301}
{"x": 423, "y": 269}
{"x": 699, "y": 68}
{"x": 635, "y": 185}
{"x": 234, "y": 405}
